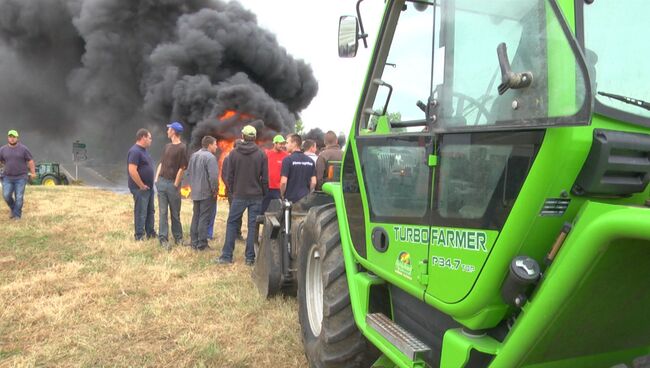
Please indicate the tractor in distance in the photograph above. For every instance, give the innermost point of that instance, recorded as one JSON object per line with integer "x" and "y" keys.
{"x": 48, "y": 174}
{"x": 493, "y": 206}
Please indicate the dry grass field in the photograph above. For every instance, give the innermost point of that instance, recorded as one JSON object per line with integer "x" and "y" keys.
{"x": 76, "y": 290}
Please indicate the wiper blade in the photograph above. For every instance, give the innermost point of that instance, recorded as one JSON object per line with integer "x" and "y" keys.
{"x": 628, "y": 100}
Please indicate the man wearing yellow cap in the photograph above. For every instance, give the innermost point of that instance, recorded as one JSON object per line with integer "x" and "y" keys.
{"x": 18, "y": 166}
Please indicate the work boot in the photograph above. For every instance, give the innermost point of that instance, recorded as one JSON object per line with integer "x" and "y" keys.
{"x": 223, "y": 261}
{"x": 203, "y": 249}
{"x": 250, "y": 262}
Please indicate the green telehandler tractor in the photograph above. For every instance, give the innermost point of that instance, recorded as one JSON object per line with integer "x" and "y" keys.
{"x": 493, "y": 204}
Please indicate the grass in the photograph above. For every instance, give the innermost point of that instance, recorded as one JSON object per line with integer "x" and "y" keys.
{"x": 76, "y": 290}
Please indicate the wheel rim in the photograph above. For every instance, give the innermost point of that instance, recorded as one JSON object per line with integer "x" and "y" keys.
{"x": 49, "y": 182}
{"x": 314, "y": 291}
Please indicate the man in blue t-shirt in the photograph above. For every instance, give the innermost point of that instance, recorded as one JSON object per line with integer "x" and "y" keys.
{"x": 141, "y": 175}
{"x": 298, "y": 174}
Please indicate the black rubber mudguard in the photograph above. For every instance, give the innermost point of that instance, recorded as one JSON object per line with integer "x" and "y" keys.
{"x": 267, "y": 273}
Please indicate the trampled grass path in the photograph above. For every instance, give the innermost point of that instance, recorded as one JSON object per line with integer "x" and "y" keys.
{"x": 77, "y": 291}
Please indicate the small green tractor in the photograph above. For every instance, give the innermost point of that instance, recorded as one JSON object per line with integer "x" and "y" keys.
{"x": 493, "y": 204}
{"x": 48, "y": 174}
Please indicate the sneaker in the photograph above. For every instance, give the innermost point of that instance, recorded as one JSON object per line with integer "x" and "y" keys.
{"x": 152, "y": 236}
{"x": 249, "y": 262}
{"x": 222, "y": 261}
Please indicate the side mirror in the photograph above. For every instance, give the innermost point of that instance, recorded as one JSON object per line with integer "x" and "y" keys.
{"x": 348, "y": 36}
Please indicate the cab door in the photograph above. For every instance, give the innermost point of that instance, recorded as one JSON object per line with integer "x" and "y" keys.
{"x": 397, "y": 180}
{"x": 488, "y": 128}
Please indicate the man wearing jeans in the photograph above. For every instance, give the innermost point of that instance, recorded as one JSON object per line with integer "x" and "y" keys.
{"x": 168, "y": 181}
{"x": 141, "y": 175}
{"x": 17, "y": 160}
{"x": 248, "y": 178}
{"x": 203, "y": 171}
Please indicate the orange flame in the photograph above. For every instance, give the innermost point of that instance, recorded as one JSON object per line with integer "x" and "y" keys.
{"x": 225, "y": 145}
{"x": 231, "y": 113}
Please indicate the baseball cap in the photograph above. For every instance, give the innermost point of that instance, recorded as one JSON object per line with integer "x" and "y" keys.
{"x": 278, "y": 139}
{"x": 13, "y": 133}
{"x": 178, "y": 127}
{"x": 249, "y": 131}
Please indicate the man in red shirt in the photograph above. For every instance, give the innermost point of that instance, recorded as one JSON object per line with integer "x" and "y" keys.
{"x": 275, "y": 156}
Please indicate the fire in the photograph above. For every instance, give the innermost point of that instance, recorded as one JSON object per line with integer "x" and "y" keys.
{"x": 232, "y": 113}
{"x": 225, "y": 146}
{"x": 185, "y": 191}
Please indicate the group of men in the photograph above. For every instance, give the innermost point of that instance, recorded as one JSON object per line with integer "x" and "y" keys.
{"x": 253, "y": 178}
{"x": 166, "y": 177}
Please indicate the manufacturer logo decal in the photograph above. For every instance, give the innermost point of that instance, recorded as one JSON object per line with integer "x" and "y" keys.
{"x": 472, "y": 240}
{"x": 403, "y": 265}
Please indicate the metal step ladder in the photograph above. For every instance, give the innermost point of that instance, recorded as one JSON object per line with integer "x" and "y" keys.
{"x": 403, "y": 340}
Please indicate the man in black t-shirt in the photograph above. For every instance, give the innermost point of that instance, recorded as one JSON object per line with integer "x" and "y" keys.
{"x": 141, "y": 175}
{"x": 168, "y": 181}
{"x": 298, "y": 174}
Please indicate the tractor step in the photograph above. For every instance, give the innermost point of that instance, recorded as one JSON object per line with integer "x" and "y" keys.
{"x": 403, "y": 340}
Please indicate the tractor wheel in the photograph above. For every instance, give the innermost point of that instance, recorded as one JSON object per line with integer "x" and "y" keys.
{"x": 65, "y": 181}
{"x": 330, "y": 336}
{"x": 49, "y": 181}
{"x": 267, "y": 272}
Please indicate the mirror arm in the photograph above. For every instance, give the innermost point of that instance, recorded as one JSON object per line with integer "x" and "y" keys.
{"x": 363, "y": 35}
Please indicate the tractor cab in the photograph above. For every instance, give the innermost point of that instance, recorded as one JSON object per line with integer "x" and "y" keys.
{"x": 454, "y": 113}
{"x": 48, "y": 174}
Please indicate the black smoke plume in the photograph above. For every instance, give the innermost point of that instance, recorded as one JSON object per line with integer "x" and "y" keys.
{"x": 98, "y": 70}
{"x": 317, "y": 135}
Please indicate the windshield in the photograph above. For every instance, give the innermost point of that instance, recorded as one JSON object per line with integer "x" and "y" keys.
{"x": 441, "y": 57}
{"x": 616, "y": 35}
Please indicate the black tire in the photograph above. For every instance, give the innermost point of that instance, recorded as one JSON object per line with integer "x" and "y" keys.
{"x": 65, "y": 181}
{"x": 337, "y": 342}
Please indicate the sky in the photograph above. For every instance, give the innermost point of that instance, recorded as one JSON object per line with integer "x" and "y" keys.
{"x": 309, "y": 31}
